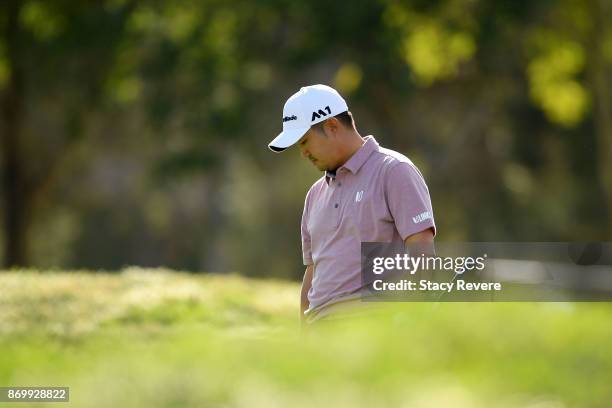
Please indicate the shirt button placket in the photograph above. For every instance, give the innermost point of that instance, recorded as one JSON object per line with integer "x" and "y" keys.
{"x": 338, "y": 200}
{"x": 336, "y": 194}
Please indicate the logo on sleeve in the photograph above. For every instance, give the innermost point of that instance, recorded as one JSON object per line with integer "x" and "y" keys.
{"x": 421, "y": 217}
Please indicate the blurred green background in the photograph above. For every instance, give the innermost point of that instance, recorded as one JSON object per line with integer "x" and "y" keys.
{"x": 158, "y": 338}
{"x": 135, "y": 132}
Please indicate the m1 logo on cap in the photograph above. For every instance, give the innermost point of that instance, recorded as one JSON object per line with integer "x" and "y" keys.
{"x": 321, "y": 112}
{"x": 288, "y": 118}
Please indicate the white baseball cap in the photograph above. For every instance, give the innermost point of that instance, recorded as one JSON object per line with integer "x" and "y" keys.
{"x": 310, "y": 105}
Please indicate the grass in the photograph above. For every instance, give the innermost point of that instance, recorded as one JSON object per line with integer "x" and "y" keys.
{"x": 158, "y": 338}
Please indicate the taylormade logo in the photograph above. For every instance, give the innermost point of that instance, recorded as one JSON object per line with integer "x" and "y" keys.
{"x": 288, "y": 118}
{"x": 319, "y": 113}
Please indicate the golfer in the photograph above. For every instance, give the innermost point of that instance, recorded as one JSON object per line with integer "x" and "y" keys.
{"x": 367, "y": 194}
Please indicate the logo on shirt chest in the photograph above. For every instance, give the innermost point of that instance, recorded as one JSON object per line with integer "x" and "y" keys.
{"x": 358, "y": 196}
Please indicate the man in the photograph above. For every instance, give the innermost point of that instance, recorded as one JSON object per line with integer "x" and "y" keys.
{"x": 367, "y": 194}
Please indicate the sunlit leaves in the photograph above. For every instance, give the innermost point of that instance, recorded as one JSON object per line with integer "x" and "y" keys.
{"x": 144, "y": 19}
{"x": 553, "y": 82}
{"x": 433, "y": 50}
{"x": 348, "y": 78}
{"x": 123, "y": 85}
{"x": 183, "y": 20}
{"x": 125, "y": 89}
{"x": 435, "y": 53}
{"x": 39, "y": 18}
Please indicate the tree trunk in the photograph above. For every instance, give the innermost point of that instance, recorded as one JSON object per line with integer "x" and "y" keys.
{"x": 13, "y": 177}
{"x": 600, "y": 83}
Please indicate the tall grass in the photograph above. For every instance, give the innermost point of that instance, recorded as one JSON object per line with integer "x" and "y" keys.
{"x": 157, "y": 338}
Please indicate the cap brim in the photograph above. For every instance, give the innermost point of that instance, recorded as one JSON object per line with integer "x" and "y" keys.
{"x": 287, "y": 139}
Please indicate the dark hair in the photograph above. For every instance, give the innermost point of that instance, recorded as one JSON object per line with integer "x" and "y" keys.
{"x": 346, "y": 118}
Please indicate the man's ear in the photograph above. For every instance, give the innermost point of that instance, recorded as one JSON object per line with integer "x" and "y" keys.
{"x": 331, "y": 125}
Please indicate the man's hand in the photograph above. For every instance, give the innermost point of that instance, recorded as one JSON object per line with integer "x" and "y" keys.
{"x": 306, "y": 284}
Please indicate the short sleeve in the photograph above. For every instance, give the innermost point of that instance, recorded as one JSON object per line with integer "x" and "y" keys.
{"x": 408, "y": 200}
{"x": 306, "y": 247}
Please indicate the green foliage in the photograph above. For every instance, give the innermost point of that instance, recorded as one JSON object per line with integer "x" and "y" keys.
{"x": 161, "y": 339}
{"x": 143, "y": 137}
{"x": 433, "y": 46}
{"x": 4, "y": 69}
{"x": 42, "y": 20}
{"x": 553, "y": 82}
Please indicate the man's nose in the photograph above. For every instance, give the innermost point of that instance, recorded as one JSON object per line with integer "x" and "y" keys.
{"x": 303, "y": 152}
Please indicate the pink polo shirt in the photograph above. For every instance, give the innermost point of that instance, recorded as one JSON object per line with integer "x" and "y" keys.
{"x": 378, "y": 195}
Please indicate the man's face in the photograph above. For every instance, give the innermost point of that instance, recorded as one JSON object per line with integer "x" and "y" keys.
{"x": 319, "y": 149}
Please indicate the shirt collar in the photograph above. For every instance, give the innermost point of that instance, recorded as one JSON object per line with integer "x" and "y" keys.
{"x": 361, "y": 156}
{"x": 330, "y": 174}
{"x": 358, "y": 159}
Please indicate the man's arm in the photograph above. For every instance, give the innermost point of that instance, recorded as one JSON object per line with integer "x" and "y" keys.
{"x": 306, "y": 284}
{"x": 421, "y": 243}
